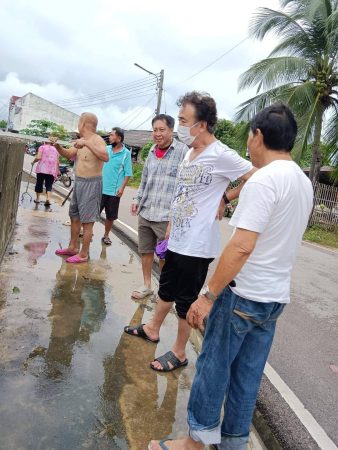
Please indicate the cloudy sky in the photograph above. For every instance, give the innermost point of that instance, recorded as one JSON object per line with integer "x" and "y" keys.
{"x": 82, "y": 54}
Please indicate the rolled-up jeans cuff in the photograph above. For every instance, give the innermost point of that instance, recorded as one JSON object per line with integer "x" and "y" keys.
{"x": 207, "y": 437}
{"x": 234, "y": 443}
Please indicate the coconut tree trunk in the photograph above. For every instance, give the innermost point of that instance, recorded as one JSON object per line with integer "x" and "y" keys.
{"x": 317, "y": 157}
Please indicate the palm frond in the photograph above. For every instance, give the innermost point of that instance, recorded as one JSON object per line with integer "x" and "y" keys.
{"x": 271, "y": 71}
{"x": 330, "y": 133}
{"x": 248, "y": 109}
{"x": 306, "y": 128}
{"x": 267, "y": 20}
{"x": 301, "y": 99}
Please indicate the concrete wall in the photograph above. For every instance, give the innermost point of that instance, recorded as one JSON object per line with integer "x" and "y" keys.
{"x": 11, "y": 163}
{"x": 31, "y": 107}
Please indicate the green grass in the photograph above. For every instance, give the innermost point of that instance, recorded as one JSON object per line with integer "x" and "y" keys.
{"x": 135, "y": 180}
{"x": 321, "y": 236}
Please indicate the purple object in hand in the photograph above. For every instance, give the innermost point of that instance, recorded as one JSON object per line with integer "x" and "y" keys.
{"x": 161, "y": 248}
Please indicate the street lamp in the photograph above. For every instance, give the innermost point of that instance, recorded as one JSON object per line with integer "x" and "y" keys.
{"x": 159, "y": 82}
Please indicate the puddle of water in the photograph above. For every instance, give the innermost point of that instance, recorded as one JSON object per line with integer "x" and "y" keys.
{"x": 69, "y": 376}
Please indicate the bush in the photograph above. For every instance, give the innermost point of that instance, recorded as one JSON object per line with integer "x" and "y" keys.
{"x": 145, "y": 150}
{"x": 135, "y": 180}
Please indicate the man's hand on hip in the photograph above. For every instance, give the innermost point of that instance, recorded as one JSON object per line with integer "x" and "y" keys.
{"x": 198, "y": 311}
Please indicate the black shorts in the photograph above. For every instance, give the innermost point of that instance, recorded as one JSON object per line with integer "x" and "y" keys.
{"x": 110, "y": 204}
{"x": 44, "y": 178}
{"x": 181, "y": 280}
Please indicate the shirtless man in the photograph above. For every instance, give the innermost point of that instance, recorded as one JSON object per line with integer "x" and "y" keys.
{"x": 90, "y": 152}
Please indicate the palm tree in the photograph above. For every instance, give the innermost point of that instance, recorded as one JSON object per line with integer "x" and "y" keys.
{"x": 301, "y": 71}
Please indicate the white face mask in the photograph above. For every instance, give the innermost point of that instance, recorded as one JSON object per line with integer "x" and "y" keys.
{"x": 184, "y": 135}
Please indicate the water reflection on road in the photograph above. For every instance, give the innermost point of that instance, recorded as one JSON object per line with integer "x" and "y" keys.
{"x": 69, "y": 377}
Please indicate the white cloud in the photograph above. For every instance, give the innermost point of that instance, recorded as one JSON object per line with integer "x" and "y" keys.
{"x": 75, "y": 49}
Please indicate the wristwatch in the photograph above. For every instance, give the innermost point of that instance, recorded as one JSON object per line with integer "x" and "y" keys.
{"x": 209, "y": 295}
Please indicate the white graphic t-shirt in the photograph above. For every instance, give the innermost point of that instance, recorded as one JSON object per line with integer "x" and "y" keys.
{"x": 200, "y": 186}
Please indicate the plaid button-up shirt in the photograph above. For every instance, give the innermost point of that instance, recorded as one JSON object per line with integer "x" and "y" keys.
{"x": 158, "y": 182}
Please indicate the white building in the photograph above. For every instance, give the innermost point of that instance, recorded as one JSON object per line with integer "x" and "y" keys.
{"x": 22, "y": 110}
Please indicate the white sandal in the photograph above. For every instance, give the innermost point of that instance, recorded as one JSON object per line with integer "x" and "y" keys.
{"x": 143, "y": 291}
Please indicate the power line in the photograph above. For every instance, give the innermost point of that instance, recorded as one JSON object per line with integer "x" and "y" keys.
{"x": 150, "y": 84}
{"x": 151, "y": 115}
{"x": 129, "y": 97}
{"x": 139, "y": 109}
{"x": 105, "y": 97}
{"x": 118, "y": 89}
{"x": 215, "y": 60}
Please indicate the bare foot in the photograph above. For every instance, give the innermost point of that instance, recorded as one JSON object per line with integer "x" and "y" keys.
{"x": 179, "y": 444}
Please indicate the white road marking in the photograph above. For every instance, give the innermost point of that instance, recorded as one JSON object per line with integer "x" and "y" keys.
{"x": 309, "y": 422}
{"x": 127, "y": 226}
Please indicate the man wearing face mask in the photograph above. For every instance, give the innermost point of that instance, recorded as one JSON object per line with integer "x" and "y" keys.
{"x": 115, "y": 173}
{"x": 203, "y": 176}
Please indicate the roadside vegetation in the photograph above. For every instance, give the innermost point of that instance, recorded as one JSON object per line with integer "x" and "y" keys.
{"x": 322, "y": 236}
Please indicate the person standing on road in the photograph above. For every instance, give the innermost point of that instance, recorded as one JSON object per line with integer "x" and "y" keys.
{"x": 270, "y": 219}
{"x": 154, "y": 196}
{"x": 90, "y": 152}
{"x": 115, "y": 176}
{"x": 194, "y": 241}
{"x": 47, "y": 169}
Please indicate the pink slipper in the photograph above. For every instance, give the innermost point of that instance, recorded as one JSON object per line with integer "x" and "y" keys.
{"x": 76, "y": 259}
{"x": 64, "y": 252}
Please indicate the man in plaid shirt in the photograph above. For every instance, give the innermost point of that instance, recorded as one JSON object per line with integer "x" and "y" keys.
{"x": 154, "y": 196}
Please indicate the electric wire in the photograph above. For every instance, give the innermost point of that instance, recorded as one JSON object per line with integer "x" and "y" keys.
{"x": 111, "y": 100}
{"x": 139, "y": 112}
{"x": 138, "y": 126}
{"x": 119, "y": 89}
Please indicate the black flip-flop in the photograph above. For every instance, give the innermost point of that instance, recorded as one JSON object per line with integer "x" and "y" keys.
{"x": 140, "y": 333}
{"x": 167, "y": 358}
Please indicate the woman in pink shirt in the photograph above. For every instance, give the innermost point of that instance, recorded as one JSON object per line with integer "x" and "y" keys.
{"x": 46, "y": 170}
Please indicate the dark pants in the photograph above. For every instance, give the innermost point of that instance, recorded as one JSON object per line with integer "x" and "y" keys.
{"x": 44, "y": 178}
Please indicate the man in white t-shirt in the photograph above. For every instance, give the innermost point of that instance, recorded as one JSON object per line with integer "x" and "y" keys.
{"x": 194, "y": 242}
{"x": 270, "y": 219}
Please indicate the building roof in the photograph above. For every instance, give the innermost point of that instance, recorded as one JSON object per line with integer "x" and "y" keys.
{"x": 137, "y": 138}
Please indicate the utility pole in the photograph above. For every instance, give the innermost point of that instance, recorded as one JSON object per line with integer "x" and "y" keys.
{"x": 159, "y": 86}
{"x": 159, "y": 92}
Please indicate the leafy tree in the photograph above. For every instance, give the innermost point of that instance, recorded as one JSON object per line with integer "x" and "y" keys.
{"x": 302, "y": 71}
{"x": 3, "y": 123}
{"x": 145, "y": 150}
{"x": 45, "y": 128}
{"x": 232, "y": 134}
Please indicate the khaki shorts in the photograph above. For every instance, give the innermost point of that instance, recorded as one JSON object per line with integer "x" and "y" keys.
{"x": 149, "y": 233}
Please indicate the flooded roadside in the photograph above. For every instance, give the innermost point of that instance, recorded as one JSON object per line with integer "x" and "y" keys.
{"x": 69, "y": 377}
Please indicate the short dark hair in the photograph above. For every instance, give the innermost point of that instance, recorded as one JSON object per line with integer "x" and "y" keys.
{"x": 205, "y": 107}
{"x": 278, "y": 126}
{"x": 170, "y": 121}
{"x": 119, "y": 132}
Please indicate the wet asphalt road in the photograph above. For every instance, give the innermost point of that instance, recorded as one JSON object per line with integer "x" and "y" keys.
{"x": 306, "y": 341}
{"x": 305, "y": 350}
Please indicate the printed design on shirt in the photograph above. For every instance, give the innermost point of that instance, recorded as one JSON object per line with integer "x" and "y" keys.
{"x": 192, "y": 179}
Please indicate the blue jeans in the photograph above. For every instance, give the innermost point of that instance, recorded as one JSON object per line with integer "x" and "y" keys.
{"x": 236, "y": 345}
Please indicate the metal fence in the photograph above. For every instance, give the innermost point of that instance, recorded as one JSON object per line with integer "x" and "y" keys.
{"x": 325, "y": 209}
